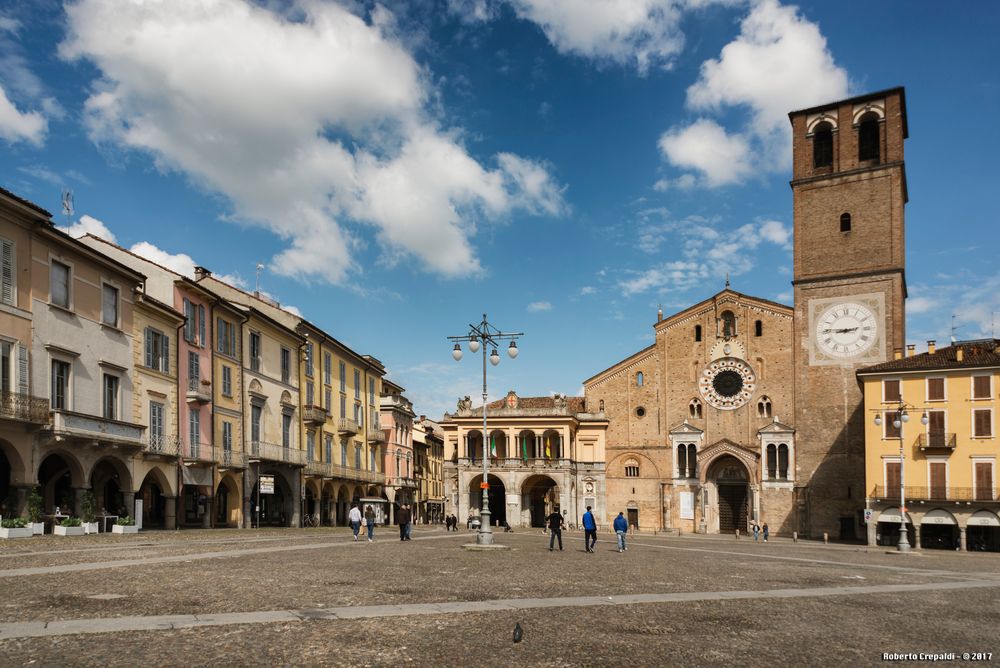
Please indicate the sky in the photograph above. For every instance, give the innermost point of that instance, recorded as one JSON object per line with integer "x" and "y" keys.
{"x": 564, "y": 166}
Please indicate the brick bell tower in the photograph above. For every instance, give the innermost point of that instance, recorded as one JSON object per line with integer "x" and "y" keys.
{"x": 849, "y": 189}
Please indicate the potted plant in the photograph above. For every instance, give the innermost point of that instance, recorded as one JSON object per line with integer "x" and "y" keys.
{"x": 87, "y": 512}
{"x": 69, "y": 527}
{"x": 34, "y": 508}
{"x": 15, "y": 527}
{"x": 125, "y": 525}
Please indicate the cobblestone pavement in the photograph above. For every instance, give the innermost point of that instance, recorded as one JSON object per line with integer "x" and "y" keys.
{"x": 315, "y": 597}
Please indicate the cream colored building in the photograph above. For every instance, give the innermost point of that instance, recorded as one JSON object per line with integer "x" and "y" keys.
{"x": 949, "y": 446}
{"x": 428, "y": 453}
{"x": 545, "y": 454}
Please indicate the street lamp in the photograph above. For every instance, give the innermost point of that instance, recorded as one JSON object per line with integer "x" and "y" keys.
{"x": 899, "y": 418}
{"x": 487, "y": 335}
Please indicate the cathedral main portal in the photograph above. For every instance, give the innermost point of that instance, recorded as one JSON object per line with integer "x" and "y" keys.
{"x": 730, "y": 478}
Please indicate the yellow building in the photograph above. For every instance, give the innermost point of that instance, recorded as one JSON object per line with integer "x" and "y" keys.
{"x": 228, "y": 416}
{"x": 936, "y": 412}
{"x": 428, "y": 453}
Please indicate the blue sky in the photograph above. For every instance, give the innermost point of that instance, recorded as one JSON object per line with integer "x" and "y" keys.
{"x": 564, "y": 165}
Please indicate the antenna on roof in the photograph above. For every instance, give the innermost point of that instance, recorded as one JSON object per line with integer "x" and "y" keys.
{"x": 954, "y": 328}
{"x": 727, "y": 279}
{"x": 67, "y": 205}
{"x": 260, "y": 268}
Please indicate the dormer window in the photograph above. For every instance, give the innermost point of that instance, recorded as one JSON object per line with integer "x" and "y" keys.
{"x": 868, "y": 138}
{"x": 823, "y": 146}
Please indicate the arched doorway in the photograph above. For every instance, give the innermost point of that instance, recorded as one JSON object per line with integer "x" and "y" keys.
{"x": 154, "y": 511}
{"x": 733, "y": 489}
{"x": 327, "y": 510}
{"x": 311, "y": 502}
{"x": 228, "y": 505}
{"x": 343, "y": 505}
{"x": 275, "y": 509}
{"x": 56, "y": 480}
{"x": 497, "y": 499}
{"x": 887, "y": 528}
{"x": 540, "y": 497}
{"x": 983, "y": 532}
{"x": 8, "y": 498}
{"x": 110, "y": 483}
{"x": 939, "y": 530}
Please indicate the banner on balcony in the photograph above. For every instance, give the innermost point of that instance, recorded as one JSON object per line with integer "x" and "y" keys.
{"x": 192, "y": 475}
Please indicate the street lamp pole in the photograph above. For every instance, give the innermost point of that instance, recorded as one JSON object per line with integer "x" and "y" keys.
{"x": 900, "y": 418}
{"x": 486, "y": 334}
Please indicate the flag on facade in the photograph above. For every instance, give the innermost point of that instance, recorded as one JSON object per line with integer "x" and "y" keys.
{"x": 548, "y": 449}
{"x": 493, "y": 446}
{"x": 524, "y": 448}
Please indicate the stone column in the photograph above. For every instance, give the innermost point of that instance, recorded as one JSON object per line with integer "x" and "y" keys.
{"x": 872, "y": 527}
{"x": 170, "y": 512}
{"x": 962, "y": 542}
{"x": 916, "y": 535}
{"x": 207, "y": 518}
{"x": 78, "y": 493}
{"x": 129, "y": 500}
{"x": 22, "y": 500}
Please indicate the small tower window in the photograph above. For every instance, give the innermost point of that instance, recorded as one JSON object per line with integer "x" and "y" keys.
{"x": 631, "y": 469}
{"x": 692, "y": 461}
{"x": 697, "y": 332}
{"x": 783, "y": 461}
{"x": 764, "y": 407}
{"x": 845, "y": 222}
{"x": 694, "y": 408}
{"x": 772, "y": 461}
{"x": 639, "y": 379}
{"x": 640, "y": 412}
{"x": 601, "y": 405}
{"x": 681, "y": 460}
{"x": 823, "y": 146}
{"x": 758, "y": 328}
{"x": 868, "y": 140}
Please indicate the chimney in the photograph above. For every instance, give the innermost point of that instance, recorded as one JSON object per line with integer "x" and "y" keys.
{"x": 959, "y": 353}
{"x": 200, "y": 273}
{"x": 423, "y": 417}
{"x": 897, "y": 354}
{"x": 911, "y": 349}
{"x": 931, "y": 347}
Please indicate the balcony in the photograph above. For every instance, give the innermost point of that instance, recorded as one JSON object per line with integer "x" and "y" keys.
{"x": 80, "y": 426}
{"x": 230, "y": 459}
{"x": 347, "y": 426}
{"x": 376, "y": 436}
{"x": 276, "y": 453}
{"x": 197, "y": 451}
{"x": 916, "y": 493}
{"x": 938, "y": 440}
{"x": 513, "y": 463}
{"x": 315, "y": 468}
{"x": 199, "y": 391}
{"x": 410, "y": 483}
{"x": 24, "y": 408}
{"x": 315, "y": 415}
{"x": 167, "y": 446}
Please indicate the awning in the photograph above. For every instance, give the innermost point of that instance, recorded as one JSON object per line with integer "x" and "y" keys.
{"x": 984, "y": 518}
{"x": 192, "y": 475}
{"x": 939, "y": 516}
{"x": 891, "y": 515}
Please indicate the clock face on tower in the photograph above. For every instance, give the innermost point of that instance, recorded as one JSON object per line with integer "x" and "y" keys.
{"x": 847, "y": 330}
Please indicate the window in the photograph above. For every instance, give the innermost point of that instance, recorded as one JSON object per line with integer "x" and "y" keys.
{"x": 697, "y": 332}
{"x": 938, "y": 474}
{"x": 982, "y": 423}
{"x": 327, "y": 369}
{"x": 309, "y": 359}
{"x": 936, "y": 428}
{"x": 631, "y": 469}
{"x": 59, "y": 284}
{"x": 823, "y": 146}
{"x": 639, "y": 379}
{"x": 329, "y": 400}
{"x": 343, "y": 453}
{"x": 728, "y": 324}
{"x": 983, "y": 480}
{"x": 772, "y": 461}
{"x": 890, "y": 391}
{"x": 310, "y": 446}
{"x": 60, "y": 385}
{"x": 226, "y": 335}
{"x": 868, "y": 139}
{"x": 202, "y": 338}
{"x": 6, "y": 366}
{"x": 8, "y": 273}
{"x": 329, "y": 448}
{"x": 155, "y": 423}
{"x": 600, "y": 405}
{"x": 343, "y": 406}
{"x": 358, "y": 415}
{"x": 640, "y": 412}
{"x": 357, "y": 455}
{"x": 255, "y": 351}
{"x": 110, "y": 403}
{"x": 845, "y": 222}
{"x": 764, "y": 407}
{"x": 109, "y": 305}
{"x": 681, "y": 461}
{"x": 692, "y": 460}
{"x": 157, "y": 354}
{"x": 694, "y": 408}
{"x": 981, "y": 387}
{"x": 194, "y": 430}
{"x": 227, "y": 381}
{"x": 286, "y": 365}
{"x": 783, "y": 461}
{"x": 310, "y": 393}
{"x": 935, "y": 389}
{"x": 371, "y": 391}
{"x": 357, "y": 384}
{"x": 758, "y": 328}
{"x": 194, "y": 370}
{"x": 190, "y": 322}
{"x": 891, "y": 430}
{"x": 255, "y": 417}
{"x": 892, "y": 479}
{"x": 343, "y": 379}
{"x": 227, "y": 436}
{"x": 286, "y": 430}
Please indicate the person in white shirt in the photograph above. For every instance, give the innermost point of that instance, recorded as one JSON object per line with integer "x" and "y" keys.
{"x": 354, "y": 517}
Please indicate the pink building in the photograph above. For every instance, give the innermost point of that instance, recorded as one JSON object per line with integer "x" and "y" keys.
{"x": 396, "y": 419}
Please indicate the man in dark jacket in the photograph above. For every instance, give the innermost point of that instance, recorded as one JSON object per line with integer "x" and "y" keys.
{"x": 403, "y": 517}
{"x": 555, "y": 523}
{"x": 621, "y": 528}
{"x": 589, "y": 530}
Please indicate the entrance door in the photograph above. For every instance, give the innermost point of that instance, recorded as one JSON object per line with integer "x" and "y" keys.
{"x": 633, "y": 518}
{"x": 732, "y": 507}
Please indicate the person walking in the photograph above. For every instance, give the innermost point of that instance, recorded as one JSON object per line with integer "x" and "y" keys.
{"x": 756, "y": 531}
{"x": 766, "y": 532}
{"x": 589, "y": 530}
{"x": 409, "y": 523}
{"x": 621, "y": 528}
{"x": 354, "y": 518}
{"x": 402, "y": 518}
{"x": 370, "y": 522}
{"x": 555, "y": 524}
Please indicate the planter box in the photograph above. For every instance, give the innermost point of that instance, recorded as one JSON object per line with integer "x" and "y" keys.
{"x": 37, "y": 528}
{"x": 60, "y": 530}
{"x": 121, "y": 528}
{"x": 90, "y": 527}
{"x": 15, "y": 533}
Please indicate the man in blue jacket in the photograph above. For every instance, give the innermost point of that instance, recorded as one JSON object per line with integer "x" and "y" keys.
{"x": 589, "y": 530}
{"x": 621, "y": 528}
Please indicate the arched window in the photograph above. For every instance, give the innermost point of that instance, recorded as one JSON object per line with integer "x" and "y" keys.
{"x": 823, "y": 146}
{"x": 639, "y": 379}
{"x": 681, "y": 460}
{"x": 697, "y": 332}
{"x": 758, "y": 328}
{"x": 631, "y": 469}
{"x": 760, "y": 368}
{"x": 764, "y": 407}
{"x": 845, "y": 222}
{"x": 694, "y": 408}
{"x": 868, "y": 140}
{"x": 600, "y": 405}
{"x": 692, "y": 461}
{"x": 728, "y": 324}
{"x": 783, "y": 461}
{"x": 772, "y": 461}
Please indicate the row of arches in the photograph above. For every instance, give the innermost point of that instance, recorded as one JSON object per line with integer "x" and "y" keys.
{"x": 764, "y": 408}
{"x": 939, "y": 529}
{"x": 527, "y": 444}
{"x": 869, "y": 141}
{"x": 539, "y": 498}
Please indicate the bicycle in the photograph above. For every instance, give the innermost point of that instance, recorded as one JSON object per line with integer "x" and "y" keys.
{"x": 310, "y": 521}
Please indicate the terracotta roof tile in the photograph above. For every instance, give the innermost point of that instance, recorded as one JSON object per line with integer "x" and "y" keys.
{"x": 979, "y": 353}
{"x": 573, "y": 404}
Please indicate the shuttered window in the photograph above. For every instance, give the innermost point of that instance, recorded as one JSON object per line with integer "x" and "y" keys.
{"x": 7, "y": 272}
{"x": 110, "y": 397}
{"x": 980, "y": 387}
{"x": 194, "y": 370}
{"x": 201, "y": 325}
{"x": 227, "y": 436}
{"x": 227, "y": 381}
{"x": 155, "y": 423}
{"x": 327, "y": 368}
{"x": 60, "y": 385}
{"x": 890, "y": 390}
{"x": 892, "y": 479}
{"x": 984, "y": 481}
{"x": 935, "y": 389}
{"x": 157, "y": 350}
{"x": 939, "y": 477}
{"x": 59, "y": 284}
{"x": 982, "y": 422}
{"x": 891, "y": 430}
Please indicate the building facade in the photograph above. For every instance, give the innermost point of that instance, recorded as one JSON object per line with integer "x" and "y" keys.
{"x": 948, "y": 446}
{"x": 545, "y": 454}
{"x": 428, "y": 453}
{"x": 744, "y": 410}
{"x": 397, "y": 424}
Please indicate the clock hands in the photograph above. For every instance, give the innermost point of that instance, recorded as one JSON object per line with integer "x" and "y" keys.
{"x": 846, "y": 330}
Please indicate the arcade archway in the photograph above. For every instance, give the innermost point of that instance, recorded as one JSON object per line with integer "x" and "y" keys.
{"x": 55, "y": 477}
{"x": 228, "y": 503}
{"x": 497, "y": 499}
{"x": 153, "y": 495}
{"x": 540, "y": 498}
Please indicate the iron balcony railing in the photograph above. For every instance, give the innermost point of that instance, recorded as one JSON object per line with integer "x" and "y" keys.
{"x": 198, "y": 451}
{"x": 515, "y": 463}
{"x": 161, "y": 444}
{"x": 231, "y": 459}
{"x": 936, "y": 440}
{"x": 276, "y": 453}
{"x": 314, "y": 414}
{"x": 24, "y": 407}
{"x": 916, "y": 493}
{"x": 96, "y": 428}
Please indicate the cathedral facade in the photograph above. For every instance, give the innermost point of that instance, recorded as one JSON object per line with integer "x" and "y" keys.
{"x": 745, "y": 410}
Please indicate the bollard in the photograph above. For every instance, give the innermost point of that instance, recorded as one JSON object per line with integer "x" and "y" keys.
{"x": 795, "y": 536}
{"x": 737, "y": 534}
{"x": 826, "y": 538}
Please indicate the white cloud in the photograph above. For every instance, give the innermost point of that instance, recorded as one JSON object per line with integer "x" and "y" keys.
{"x": 588, "y": 290}
{"x": 776, "y": 233}
{"x": 778, "y": 63}
{"x": 184, "y": 264}
{"x": 535, "y": 307}
{"x": 915, "y": 305}
{"x": 312, "y": 125}
{"x": 15, "y": 125}
{"x": 89, "y": 225}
